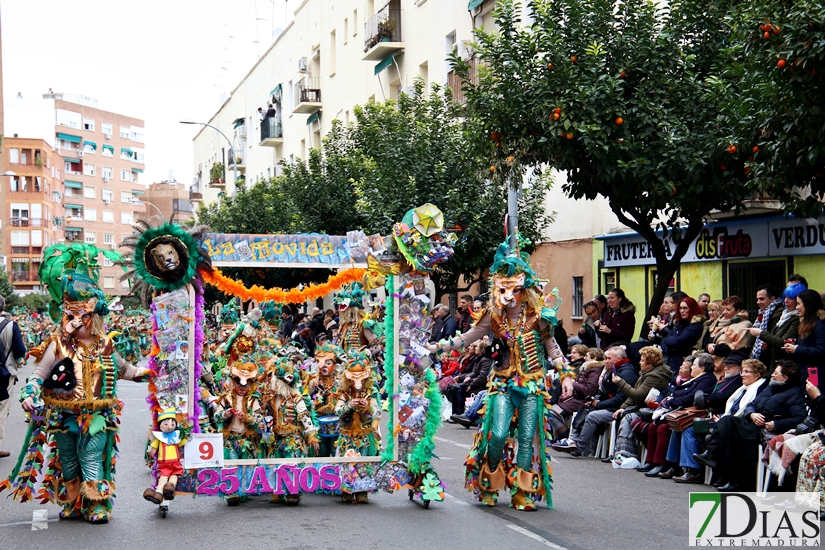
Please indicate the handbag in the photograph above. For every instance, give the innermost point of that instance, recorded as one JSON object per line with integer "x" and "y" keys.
{"x": 646, "y": 414}
{"x": 679, "y": 420}
{"x": 702, "y": 426}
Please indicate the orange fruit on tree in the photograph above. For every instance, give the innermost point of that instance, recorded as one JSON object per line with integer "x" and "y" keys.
{"x": 624, "y": 74}
{"x": 755, "y": 148}
{"x": 510, "y": 159}
{"x": 568, "y": 135}
{"x": 492, "y": 169}
{"x": 732, "y": 149}
{"x": 775, "y": 30}
{"x": 722, "y": 167}
{"x": 556, "y": 116}
{"x": 574, "y": 59}
{"x": 549, "y": 65}
{"x": 621, "y": 140}
{"x": 767, "y": 35}
{"x": 781, "y": 63}
{"x": 619, "y": 121}
{"x": 557, "y": 110}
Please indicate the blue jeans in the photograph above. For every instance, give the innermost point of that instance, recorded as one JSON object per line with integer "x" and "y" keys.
{"x": 681, "y": 447}
{"x": 472, "y": 411}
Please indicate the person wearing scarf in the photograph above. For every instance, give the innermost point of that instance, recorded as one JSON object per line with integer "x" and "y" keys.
{"x": 776, "y": 325}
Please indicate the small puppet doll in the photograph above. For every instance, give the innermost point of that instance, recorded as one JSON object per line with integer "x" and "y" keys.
{"x": 166, "y": 446}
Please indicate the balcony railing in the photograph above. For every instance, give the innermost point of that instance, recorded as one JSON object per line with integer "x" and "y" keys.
{"x": 23, "y": 276}
{"x": 271, "y": 132}
{"x": 382, "y": 34}
{"x": 308, "y": 95}
{"x": 195, "y": 196}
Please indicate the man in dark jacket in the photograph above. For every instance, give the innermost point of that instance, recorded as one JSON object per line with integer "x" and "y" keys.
{"x": 439, "y": 315}
{"x": 450, "y": 326}
{"x": 606, "y": 402}
{"x": 725, "y": 387}
{"x": 316, "y": 324}
{"x": 287, "y": 324}
{"x": 15, "y": 352}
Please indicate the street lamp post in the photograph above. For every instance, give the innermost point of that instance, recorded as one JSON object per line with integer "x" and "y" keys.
{"x": 232, "y": 151}
{"x": 137, "y": 201}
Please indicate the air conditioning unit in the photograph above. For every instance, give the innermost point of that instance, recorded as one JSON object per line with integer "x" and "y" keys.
{"x": 80, "y": 153}
{"x": 303, "y": 67}
{"x": 106, "y": 201}
{"x": 465, "y": 50}
{"x": 107, "y": 136}
{"x": 242, "y": 130}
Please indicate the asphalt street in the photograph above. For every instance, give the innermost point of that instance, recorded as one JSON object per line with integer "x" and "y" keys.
{"x": 595, "y": 507}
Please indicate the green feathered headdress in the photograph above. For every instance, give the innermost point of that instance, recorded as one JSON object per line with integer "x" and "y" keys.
{"x": 508, "y": 262}
{"x": 163, "y": 258}
{"x": 230, "y": 313}
{"x": 79, "y": 262}
{"x": 352, "y": 294}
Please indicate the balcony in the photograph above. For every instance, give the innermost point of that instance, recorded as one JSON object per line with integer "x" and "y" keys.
{"x": 19, "y": 276}
{"x": 195, "y": 196}
{"x": 237, "y": 162}
{"x": 308, "y": 94}
{"x": 383, "y": 35}
{"x": 272, "y": 134}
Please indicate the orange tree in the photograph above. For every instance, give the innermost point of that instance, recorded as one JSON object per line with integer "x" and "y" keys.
{"x": 773, "y": 69}
{"x": 618, "y": 95}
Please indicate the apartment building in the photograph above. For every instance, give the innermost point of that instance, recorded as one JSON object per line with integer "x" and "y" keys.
{"x": 103, "y": 160}
{"x": 168, "y": 200}
{"x": 32, "y": 216}
{"x": 337, "y": 54}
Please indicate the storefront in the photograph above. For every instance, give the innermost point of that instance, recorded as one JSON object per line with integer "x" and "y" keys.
{"x": 728, "y": 257}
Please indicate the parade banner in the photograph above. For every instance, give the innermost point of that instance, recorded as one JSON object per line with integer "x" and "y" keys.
{"x": 302, "y": 250}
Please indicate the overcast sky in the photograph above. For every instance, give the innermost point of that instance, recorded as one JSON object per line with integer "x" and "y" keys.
{"x": 157, "y": 60}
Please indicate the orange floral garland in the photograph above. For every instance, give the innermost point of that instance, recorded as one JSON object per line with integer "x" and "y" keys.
{"x": 279, "y": 295}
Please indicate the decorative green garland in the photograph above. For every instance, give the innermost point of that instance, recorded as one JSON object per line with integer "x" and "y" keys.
{"x": 389, "y": 367}
{"x": 423, "y": 452}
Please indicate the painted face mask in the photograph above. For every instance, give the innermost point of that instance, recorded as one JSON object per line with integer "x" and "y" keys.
{"x": 357, "y": 375}
{"x": 78, "y": 316}
{"x": 507, "y": 291}
{"x": 326, "y": 363}
{"x": 244, "y": 375}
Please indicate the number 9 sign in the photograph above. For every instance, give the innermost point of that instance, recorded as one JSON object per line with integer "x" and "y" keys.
{"x": 203, "y": 451}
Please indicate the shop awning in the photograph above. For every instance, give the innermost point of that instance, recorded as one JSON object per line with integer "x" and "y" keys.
{"x": 277, "y": 93}
{"x": 138, "y": 170}
{"x": 384, "y": 64}
{"x": 313, "y": 117}
{"x": 74, "y": 229}
{"x": 474, "y": 4}
{"x": 73, "y": 161}
{"x": 74, "y": 184}
{"x": 69, "y": 137}
{"x": 136, "y": 192}
{"x": 125, "y": 150}
{"x": 238, "y": 122}
{"x": 73, "y": 206}
{"x": 92, "y": 143}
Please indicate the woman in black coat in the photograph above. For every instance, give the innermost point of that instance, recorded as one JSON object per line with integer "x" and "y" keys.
{"x": 809, "y": 353}
{"x": 779, "y": 408}
{"x": 684, "y": 335}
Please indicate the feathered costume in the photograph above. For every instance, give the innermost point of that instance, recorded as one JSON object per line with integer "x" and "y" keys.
{"x": 518, "y": 402}
{"x": 73, "y": 431}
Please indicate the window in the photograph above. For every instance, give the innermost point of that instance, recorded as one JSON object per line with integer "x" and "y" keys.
{"x": 89, "y": 169}
{"x": 124, "y": 131}
{"x": 106, "y": 128}
{"x": 125, "y": 196}
{"x": 20, "y": 238}
{"x": 354, "y": 22}
{"x": 19, "y": 212}
{"x": 89, "y": 148}
{"x": 578, "y": 296}
{"x": 37, "y": 237}
{"x": 89, "y": 192}
{"x": 90, "y": 214}
{"x": 89, "y": 124}
{"x": 107, "y": 262}
{"x": 125, "y": 175}
{"x": 139, "y": 155}
{"x": 90, "y": 237}
{"x": 108, "y": 216}
{"x": 108, "y": 238}
{"x": 14, "y": 156}
{"x": 346, "y": 29}
{"x": 108, "y": 282}
{"x": 125, "y": 154}
{"x": 108, "y": 152}
{"x": 106, "y": 195}
{"x": 106, "y": 172}
{"x": 126, "y": 217}
{"x": 136, "y": 135}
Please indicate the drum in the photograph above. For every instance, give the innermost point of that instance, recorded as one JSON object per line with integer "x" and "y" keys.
{"x": 328, "y": 426}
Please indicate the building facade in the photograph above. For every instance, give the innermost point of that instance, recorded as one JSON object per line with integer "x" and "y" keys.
{"x": 32, "y": 216}
{"x": 103, "y": 161}
{"x": 168, "y": 200}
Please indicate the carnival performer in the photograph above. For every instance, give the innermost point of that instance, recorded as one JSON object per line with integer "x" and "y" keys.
{"x": 358, "y": 410}
{"x": 354, "y": 334}
{"x": 292, "y": 428}
{"x": 166, "y": 447}
{"x": 74, "y": 384}
{"x": 518, "y": 401}
{"x": 322, "y": 388}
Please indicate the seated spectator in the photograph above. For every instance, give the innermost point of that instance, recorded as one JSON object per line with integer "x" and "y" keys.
{"x": 586, "y": 384}
{"x": 661, "y": 324}
{"x": 685, "y": 443}
{"x": 577, "y": 358}
{"x": 475, "y": 380}
{"x": 654, "y": 374}
{"x": 685, "y": 333}
{"x": 657, "y": 433}
{"x": 702, "y": 380}
{"x": 778, "y": 321}
{"x": 731, "y": 338}
{"x": 618, "y": 321}
{"x": 471, "y": 417}
{"x": 809, "y": 352}
{"x": 811, "y": 478}
{"x": 777, "y": 409}
{"x": 709, "y": 326}
{"x": 608, "y": 399}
